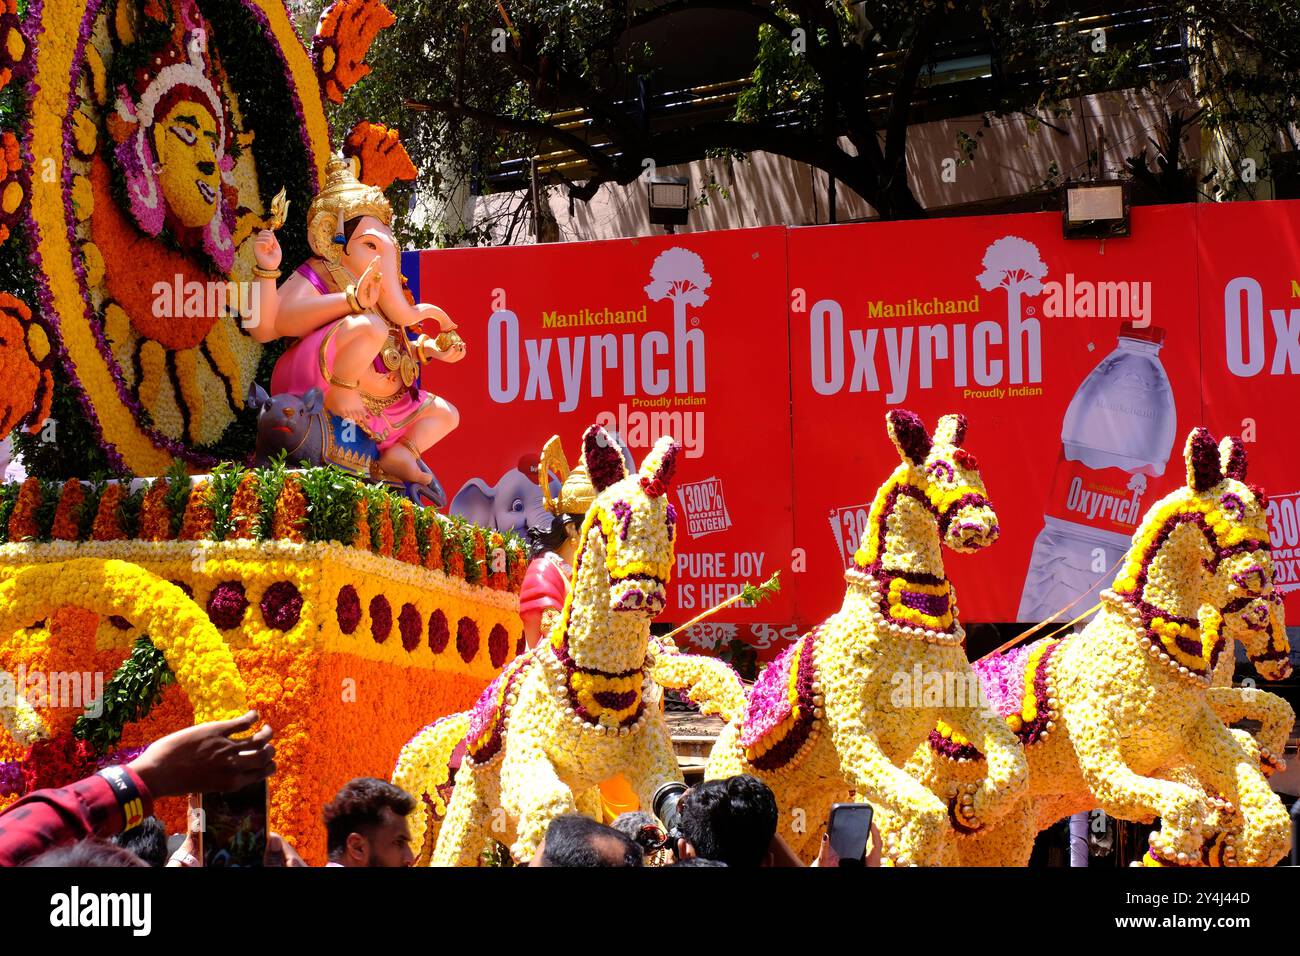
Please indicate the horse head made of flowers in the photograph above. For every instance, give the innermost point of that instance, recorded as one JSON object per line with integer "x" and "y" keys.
{"x": 1201, "y": 551}
{"x": 935, "y": 497}
{"x": 1259, "y": 625}
{"x": 627, "y": 537}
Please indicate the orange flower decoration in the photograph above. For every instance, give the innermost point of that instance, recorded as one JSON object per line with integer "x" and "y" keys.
{"x": 22, "y": 523}
{"x": 409, "y": 549}
{"x": 290, "y": 512}
{"x": 382, "y": 156}
{"x": 197, "y": 522}
{"x": 498, "y": 578}
{"x": 25, "y": 367}
{"x": 244, "y": 508}
{"x": 68, "y": 511}
{"x": 13, "y": 45}
{"x": 155, "y": 518}
{"x": 433, "y": 559}
{"x": 107, "y": 527}
{"x": 362, "y": 540}
{"x": 13, "y": 190}
{"x": 343, "y": 37}
{"x": 386, "y": 531}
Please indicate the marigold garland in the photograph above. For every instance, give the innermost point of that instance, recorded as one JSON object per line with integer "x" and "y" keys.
{"x": 68, "y": 513}
{"x": 107, "y": 526}
{"x": 22, "y": 522}
{"x": 290, "y": 512}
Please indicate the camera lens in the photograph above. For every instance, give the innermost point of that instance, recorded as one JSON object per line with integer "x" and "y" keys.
{"x": 664, "y": 804}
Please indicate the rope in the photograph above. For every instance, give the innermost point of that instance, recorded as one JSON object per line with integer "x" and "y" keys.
{"x": 1025, "y": 635}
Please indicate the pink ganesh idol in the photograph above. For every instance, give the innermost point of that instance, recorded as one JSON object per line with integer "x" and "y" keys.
{"x": 349, "y": 311}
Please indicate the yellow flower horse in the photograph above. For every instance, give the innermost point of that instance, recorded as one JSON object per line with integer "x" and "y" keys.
{"x": 584, "y": 704}
{"x": 1137, "y": 723}
{"x": 842, "y": 709}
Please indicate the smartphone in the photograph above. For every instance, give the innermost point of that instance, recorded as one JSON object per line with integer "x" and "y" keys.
{"x": 234, "y": 827}
{"x": 849, "y": 829}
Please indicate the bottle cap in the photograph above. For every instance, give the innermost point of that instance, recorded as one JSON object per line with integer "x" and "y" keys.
{"x": 1149, "y": 333}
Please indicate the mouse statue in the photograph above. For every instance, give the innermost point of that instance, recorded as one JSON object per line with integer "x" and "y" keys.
{"x": 301, "y": 427}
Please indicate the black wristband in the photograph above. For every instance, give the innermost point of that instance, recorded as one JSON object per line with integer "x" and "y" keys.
{"x": 127, "y": 794}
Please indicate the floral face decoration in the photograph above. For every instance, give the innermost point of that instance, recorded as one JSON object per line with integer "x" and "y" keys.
{"x": 173, "y": 139}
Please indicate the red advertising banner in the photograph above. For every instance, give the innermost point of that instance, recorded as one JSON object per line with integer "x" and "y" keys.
{"x": 1249, "y": 280}
{"x": 774, "y": 354}
{"x": 680, "y": 335}
{"x": 1058, "y": 352}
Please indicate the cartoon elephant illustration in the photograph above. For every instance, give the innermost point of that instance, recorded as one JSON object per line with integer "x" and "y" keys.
{"x": 514, "y": 503}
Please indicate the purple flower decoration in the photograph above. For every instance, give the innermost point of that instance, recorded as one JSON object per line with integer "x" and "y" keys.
{"x": 347, "y": 608}
{"x": 439, "y": 632}
{"x": 11, "y": 778}
{"x": 1203, "y": 461}
{"x": 466, "y": 639}
{"x": 381, "y": 618}
{"x": 227, "y": 604}
{"x": 409, "y": 627}
{"x": 623, "y": 512}
{"x": 909, "y": 434}
{"x": 498, "y": 645}
{"x": 281, "y": 605}
{"x": 119, "y": 622}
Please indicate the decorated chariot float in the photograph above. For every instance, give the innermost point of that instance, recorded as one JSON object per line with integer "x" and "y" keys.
{"x": 205, "y": 330}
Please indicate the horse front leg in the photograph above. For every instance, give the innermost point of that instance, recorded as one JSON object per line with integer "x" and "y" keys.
{"x": 1275, "y": 717}
{"x": 1127, "y": 795}
{"x": 1007, "y": 777}
{"x": 1218, "y": 758}
{"x": 532, "y": 793}
{"x": 919, "y": 818}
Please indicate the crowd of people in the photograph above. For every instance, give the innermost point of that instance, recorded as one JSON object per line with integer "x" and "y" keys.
{"x": 107, "y": 818}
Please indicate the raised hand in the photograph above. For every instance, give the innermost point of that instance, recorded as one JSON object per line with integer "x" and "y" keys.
{"x": 266, "y": 249}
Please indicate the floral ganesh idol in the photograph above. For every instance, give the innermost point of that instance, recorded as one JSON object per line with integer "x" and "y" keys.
{"x": 348, "y": 308}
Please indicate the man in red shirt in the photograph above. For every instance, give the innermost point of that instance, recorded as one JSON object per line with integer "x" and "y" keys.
{"x": 199, "y": 759}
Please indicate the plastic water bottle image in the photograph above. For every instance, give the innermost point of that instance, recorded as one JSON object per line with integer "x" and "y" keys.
{"x": 1119, "y": 429}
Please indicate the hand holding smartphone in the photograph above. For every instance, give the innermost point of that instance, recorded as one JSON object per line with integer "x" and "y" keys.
{"x": 848, "y": 830}
{"x": 235, "y": 827}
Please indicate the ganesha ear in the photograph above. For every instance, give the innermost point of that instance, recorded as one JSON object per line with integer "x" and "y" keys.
{"x": 604, "y": 460}
{"x": 661, "y": 463}
{"x": 1202, "y": 457}
{"x": 951, "y": 430}
{"x": 907, "y": 432}
{"x": 1232, "y": 457}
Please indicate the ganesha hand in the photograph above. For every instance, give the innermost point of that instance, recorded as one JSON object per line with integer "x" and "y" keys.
{"x": 266, "y": 250}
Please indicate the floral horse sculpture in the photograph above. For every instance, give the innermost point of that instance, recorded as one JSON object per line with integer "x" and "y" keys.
{"x": 584, "y": 704}
{"x": 1136, "y": 727}
{"x": 826, "y": 719}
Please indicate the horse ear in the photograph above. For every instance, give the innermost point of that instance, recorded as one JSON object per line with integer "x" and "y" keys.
{"x": 951, "y": 430}
{"x": 1202, "y": 457}
{"x": 907, "y": 432}
{"x": 605, "y": 463}
{"x": 1232, "y": 456}
{"x": 661, "y": 463}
